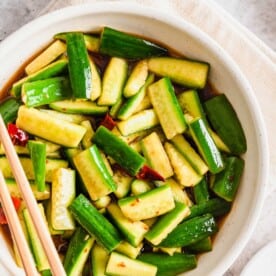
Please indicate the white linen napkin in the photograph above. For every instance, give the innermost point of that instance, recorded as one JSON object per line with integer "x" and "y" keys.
{"x": 256, "y": 60}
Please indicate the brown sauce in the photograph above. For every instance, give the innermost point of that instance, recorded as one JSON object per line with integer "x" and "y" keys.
{"x": 6, "y": 234}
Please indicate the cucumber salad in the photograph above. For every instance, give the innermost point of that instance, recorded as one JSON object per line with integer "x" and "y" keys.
{"x": 132, "y": 160}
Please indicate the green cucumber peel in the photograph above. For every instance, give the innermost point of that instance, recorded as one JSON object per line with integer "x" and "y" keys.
{"x": 79, "y": 66}
{"x": 95, "y": 223}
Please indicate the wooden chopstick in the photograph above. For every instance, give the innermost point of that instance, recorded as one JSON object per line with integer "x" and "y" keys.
{"x": 27, "y": 194}
{"x": 16, "y": 229}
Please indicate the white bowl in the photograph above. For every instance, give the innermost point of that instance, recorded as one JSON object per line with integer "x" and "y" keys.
{"x": 225, "y": 76}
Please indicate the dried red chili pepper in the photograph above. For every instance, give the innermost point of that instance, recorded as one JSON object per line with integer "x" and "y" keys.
{"x": 108, "y": 122}
{"x": 16, "y": 202}
{"x": 147, "y": 173}
{"x": 18, "y": 136}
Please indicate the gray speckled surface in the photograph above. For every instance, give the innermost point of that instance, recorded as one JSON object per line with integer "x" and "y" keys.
{"x": 257, "y": 15}
{"x": 15, "y": 13}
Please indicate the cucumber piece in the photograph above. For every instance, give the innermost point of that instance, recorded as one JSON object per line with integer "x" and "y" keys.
{"x": 144, "y": 104}
{"x": 143, "y": 120}
{"x": 8, "y": 109}
{"x": 45, "y": 126}
{"x": 156, "y": 155}
{"x": 191, "y": 231}
{"x": 226, "y": 123}
{"x": 140, "y": 186}
{"x": 206, "y": 145}
{"x": 102, "y": 202}
{"x": 123, "y": 181}
{"x": 15, "y": 192}
{"x": 153, "y": 203}
{"x": 219, "y": 143}
{"x": 96, "y": 81}
{"x": 167, "y": 223}
{"x": 133, "y": 231}
{"x": 170, "y": 265}
{"x": 201, "y": 191}
{"x": 37, "y": 249}
{"x": 167, "y": 108}
{"x": 190, "y": 103}
{"x": 87, "y": 138}
{"x": 183, "y": 146}
{"x": 63, "y": 193}
{"x": 79, "y": 107}
{"x": 227, "y": 182}
{"x": 136, "y": 79}
{"x": 52, "y": 231}
{"x": 94, "y": 173}
{"x": 38, "y": 156}
{"x": 70, "y": 153}
{"x": 46, "y": 272}
{"x": 77, "y": 252}
{"x": 92, "y": 42}
{"x": 215, "y": 206}
{"x": 130, "y": 106}
{"x": 79, "y": 66}
{"x": 99, "y": 257}
{"x": 23, "y": 150}
{"x": 51, "y": 53}
{"x": 71, "y": 118}
{"x": 52, "y": 70}
{"x": 184, "y": 172}
{"x": 50, "y": 147}
{"x": 167, "y": 250}
{"x": 51, "y": 166}
{"x": 179, "y": 193}
{"x": 95, "y": 223}
{"x": 113, "y": 81}
{"x": 43, "y": 92}
{"x": 114, "y": 109}
{"x": 120, "y": 265}
{"x": 201, "y": 246}
{"x": 189, "y": 73}
{"x": 127, "y": 249}
{"x": 116, "y": 43}
{"x": 123, "y": 154}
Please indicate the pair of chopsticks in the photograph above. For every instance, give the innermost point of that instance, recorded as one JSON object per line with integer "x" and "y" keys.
{"x": 12, "y": 218}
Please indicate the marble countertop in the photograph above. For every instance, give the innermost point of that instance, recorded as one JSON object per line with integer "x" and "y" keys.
{"x": 259, "y": 17}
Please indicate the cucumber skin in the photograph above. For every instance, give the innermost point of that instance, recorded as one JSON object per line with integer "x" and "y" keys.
{"x": 52, "y": 70}
{"x": 123, "y": 154}
{"x": 167, "y": 108}
{"x": 191, "y": 231}
{"x": 226, "y": 123}
{"x": 38, "y": 157}
{"x": 79, "y": 66}
{"x": 120, "y": 44}
{"x": 78, "y": 243}
{"x": 95, "y": 223}
{"x": 170, "y": 265}
{"x": 201, "y": 193}
{"x": 206, "y": 145}
{"x": 227, "y": 182}
{"x": 9, "y": 109}
{"x": 215, "y": 206}
{"x": 46, "y": 91}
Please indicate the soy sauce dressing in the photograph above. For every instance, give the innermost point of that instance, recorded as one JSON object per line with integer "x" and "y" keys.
{"x": 101, "y": 61}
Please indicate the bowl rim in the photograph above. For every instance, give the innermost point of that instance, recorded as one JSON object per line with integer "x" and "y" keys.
{"x": 184, "y": 25}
